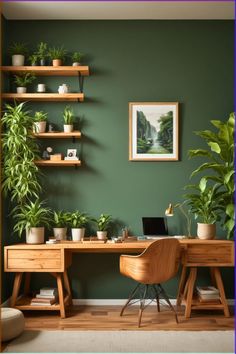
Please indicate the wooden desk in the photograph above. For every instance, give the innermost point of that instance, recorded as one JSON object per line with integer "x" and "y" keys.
{"x": 55, "y": 259}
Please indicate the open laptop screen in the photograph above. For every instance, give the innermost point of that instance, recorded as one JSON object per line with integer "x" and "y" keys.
{"x": 154, "y": 226}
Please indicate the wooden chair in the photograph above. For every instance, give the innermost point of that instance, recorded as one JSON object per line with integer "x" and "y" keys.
{"x": 156, "y": 265}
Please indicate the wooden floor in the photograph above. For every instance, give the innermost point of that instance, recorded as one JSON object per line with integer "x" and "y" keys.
{"x": 108, "y": 318}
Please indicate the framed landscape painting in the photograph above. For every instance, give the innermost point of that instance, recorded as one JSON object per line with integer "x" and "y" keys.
{"x": 153, "y": 131}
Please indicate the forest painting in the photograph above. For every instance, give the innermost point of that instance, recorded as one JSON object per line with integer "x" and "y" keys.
{"x": 153, "y": 131}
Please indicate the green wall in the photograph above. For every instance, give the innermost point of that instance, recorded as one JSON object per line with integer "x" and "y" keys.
{"x": 190, "y": 62}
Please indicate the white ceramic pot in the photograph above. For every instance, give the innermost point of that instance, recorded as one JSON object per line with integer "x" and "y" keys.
{"x": 102, "y": 235}
{"x": 41, "y": 88}
{"x": 60, "y": 233}
{"x": 21, "y": 89}
{"x": 206, "y": 231}
{"x": 18, "y": 60}
{"x": 40, "y": 127}
{"x": 68, "y": 128}
{"x": 77, "y": 234}
{"x": 35, "y": 235}
{"x": 76, "y": 63}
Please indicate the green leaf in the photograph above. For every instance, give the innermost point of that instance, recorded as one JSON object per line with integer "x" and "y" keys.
{"x": 228, "y": 176}
{"x": 215, "y": 147}
{"x": 202, "y": 184}
{"x": 230, "y": 210}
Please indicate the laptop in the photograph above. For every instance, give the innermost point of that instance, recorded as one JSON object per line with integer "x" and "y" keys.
{"x": 155, "y": 227}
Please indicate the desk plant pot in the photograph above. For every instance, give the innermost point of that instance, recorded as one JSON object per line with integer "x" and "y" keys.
{"x": 18, "y": 60}
{"x": 60, "y": 233}
{"x": 102, "y": 224}
{"x": 102, "y": 235}
{"x": 40, "y": 122}
{"x": 206, "y": 231}
{"x": 60, "y": 221}
{"x": 35, "y": 235}
{"x": 77, "y": 234}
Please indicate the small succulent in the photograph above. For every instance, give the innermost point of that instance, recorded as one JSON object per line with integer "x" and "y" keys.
{"x": 76, "y": 57}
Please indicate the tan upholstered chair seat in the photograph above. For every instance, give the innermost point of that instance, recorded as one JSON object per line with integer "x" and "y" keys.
{"x": 12, "y": 323}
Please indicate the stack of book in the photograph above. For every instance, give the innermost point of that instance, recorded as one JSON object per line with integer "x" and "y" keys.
{"x": 46, "y": 297}
{"x": 208, "y": 294}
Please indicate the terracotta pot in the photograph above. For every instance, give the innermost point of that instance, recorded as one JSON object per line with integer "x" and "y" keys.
{"x": 60, "y": 233}
{"x": 57, "y": 62}
{"x": 102, "y": 235}
{"x": 40, "y": 127}
{"x": 77, "y": 234}
{"x": 35, "y": 235}
{"x": 206, "y": 231}
{"x": 21, "y": 89}
{"x": 18, "y": 60}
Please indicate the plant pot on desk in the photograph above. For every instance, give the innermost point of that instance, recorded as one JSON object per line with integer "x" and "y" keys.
{"x": 35, "y": 235}
{"x": 206, "y": 231}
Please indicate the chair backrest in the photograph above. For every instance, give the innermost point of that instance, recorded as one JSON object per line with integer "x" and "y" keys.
{"x": 158, "y": 263}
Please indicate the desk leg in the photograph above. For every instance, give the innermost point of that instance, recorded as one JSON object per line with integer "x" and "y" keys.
{"x": 220, "y": 286}
{"x": 61, "y": 295}
{"x": 27, "y": 284}
{"x": 67, "y": 286}
{"x": 181, "y": 286}
{"x": 191, "y": 282}
{"x": 16, "y": 288}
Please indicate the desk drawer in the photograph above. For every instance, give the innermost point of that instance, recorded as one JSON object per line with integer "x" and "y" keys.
{"x": 34, "y": 260}
{"x": 210, "y": 255}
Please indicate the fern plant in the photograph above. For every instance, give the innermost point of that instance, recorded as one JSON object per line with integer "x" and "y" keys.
{"x": 24, "y": 79}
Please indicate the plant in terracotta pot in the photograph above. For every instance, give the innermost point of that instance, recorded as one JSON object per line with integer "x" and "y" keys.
{"x": 18, "y": 50}
{"x": 32, "y": 217}
{"x": 57, "y": 55}
{"x": 60, "y": 220}
{"x": 206, "y": 205}
{"x": 68, "y": 117}
{"x": 78, "y": 222}
{"x": 76, "y": 58}
{"x": 220, "y": 165}
{"x": 22, "y": 81}
{"x": 102, "y": 225}
{"x": 42, "y": 52}
{"x": 40, "y": 122}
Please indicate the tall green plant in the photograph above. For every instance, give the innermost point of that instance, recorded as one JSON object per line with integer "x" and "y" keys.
{"x": 20, "y": 174}
{"x": 220, "y": 165}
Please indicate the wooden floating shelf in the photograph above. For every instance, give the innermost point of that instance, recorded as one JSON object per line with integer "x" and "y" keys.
{"x": 49, "y": 70}
{"x": 58, "y": 163}
{"x": 60, "y": 135}
{"x": 44, "y": 96}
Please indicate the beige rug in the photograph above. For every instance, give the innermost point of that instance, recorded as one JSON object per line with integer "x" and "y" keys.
{"x": 123, "y": 342}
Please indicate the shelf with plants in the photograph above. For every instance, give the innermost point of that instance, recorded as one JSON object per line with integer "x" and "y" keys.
{"x": 72, "y": 97}
{"x": 48, "y": 70}
{"x": 57, "y": 162}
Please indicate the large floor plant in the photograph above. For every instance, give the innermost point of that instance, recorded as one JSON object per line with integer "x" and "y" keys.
{"x": 220, "y": 165}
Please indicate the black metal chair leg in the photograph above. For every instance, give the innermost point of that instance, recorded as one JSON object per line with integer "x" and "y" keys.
{"x": 129, "y": 299}
{"x": 142, "y": 305}
{"x": 168, "y": 302}
{"x": 157, "y": 298}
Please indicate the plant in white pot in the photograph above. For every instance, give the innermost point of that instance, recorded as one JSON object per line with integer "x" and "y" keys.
{"x": 18, "y": 50}
{"x": 78, "y": 222}
{"x": 40, "y": 123}
{"x": 206, "y": 205}
{"x": 102, "y": 225}
{"x": 22, "y": 81}
{"x": 68, "y": 117}
{"x": 60, "y": 221}
{"x": 76, "y": 58}
{"x": 57, "y": 55}
{"x": 32, "y": 217}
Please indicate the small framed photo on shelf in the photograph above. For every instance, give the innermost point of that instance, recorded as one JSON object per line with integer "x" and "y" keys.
{"x": 71, "y": 154}
{"x": 153, "y": 131}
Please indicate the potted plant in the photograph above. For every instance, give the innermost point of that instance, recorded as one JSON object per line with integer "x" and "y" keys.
{"x": 68, "y": 117}
{"x": 23, "y": 80}
{"x": 42, "y": 52}
{"x": 220, "y": 165}
{"x": 76, "y": 58}
{"x": 57, "y": 55}
{"x": 60, "y": 221}
{"x": 33, "y": 59}
{"x": 40, "y": 122}
{"x": 102, "y": 224}
{"x": 20, "y": 150}
{"x": 206, "y": 205}
{"x": 33, "y": 218}
{"x": 78, "y": 221}
{"x": 18, "y": 50}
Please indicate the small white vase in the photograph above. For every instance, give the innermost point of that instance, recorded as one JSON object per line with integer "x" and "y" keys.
{"x": 76, "y": 63}
{"x": 60, "y": 233}
{"x": 18, "y": 60}
{"x": 40, "y": 127}
{"x": 68, "y": 128}
{"x": 21, "y": 89}
{"x": 206, "y": 231}
{"x": 35, "y": 235}
{"x": 102, "y": 235}
{"x": 77, "y": 234}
